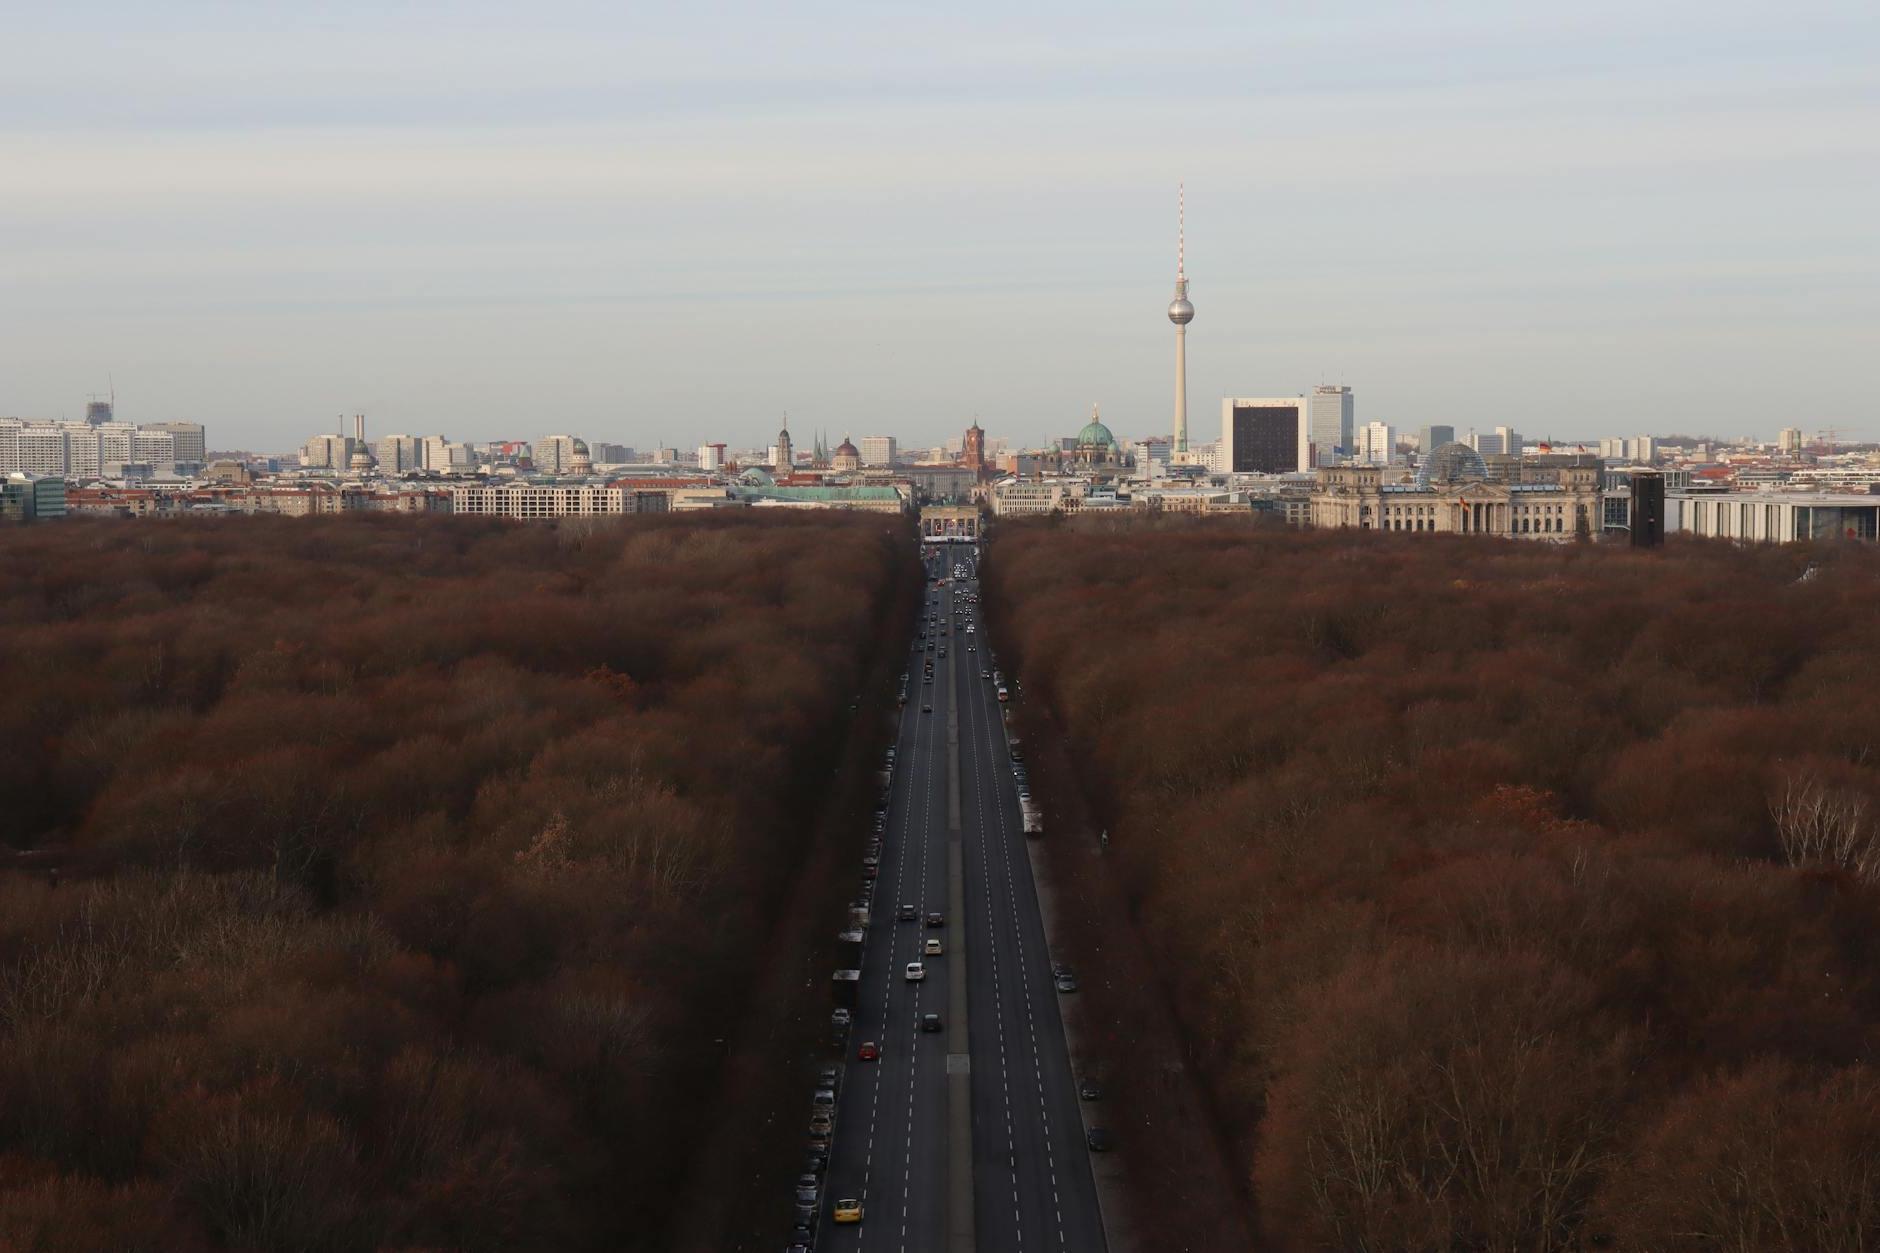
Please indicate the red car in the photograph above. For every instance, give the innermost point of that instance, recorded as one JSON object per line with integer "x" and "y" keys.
{"x": 868, "y": 1052}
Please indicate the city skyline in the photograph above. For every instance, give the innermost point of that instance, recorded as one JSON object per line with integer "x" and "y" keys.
{"x": 658, "y": 230}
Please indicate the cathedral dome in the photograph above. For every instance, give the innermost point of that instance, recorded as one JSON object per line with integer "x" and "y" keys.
{"x": 1096, "y": 434}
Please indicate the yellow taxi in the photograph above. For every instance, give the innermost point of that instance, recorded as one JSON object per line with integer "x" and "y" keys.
{"x": 848, "y": 1211}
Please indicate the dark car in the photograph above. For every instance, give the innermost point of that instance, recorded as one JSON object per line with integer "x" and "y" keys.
{"x": 807, "y": 1195}
{"x": 815, "y": 1163}
{"x": 907, "y": 913}
{"x": 1099, "y": 1140}
{"x": 801, "y": 1234}
{"x": 1089, "y": 1090}
{"x": 926, "y": 709}
{"x": 936, "y": 920}
{"x": 828, "y": 1077}
{"x": 930, "y": 1022}
{"x": 1067, "y": 983}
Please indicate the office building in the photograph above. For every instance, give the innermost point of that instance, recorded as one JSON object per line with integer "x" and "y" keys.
{"x": 31, "y": 497}
{"x": 1773, "y": 517}
{"x": 401, "y": 454}
{"x": 1332, "y": 414}
{"x": 879, "y": 450}
{"x": 190, "y": 442}
{"x": 1264, "y": 435}
{"x": 1430, "y": 438}
{"x": 553, "y": 454}
{"x": 614, "y": 454}
{"x": 1376, "y": 444}
{"x": 711, "y": 457}
{"x": 1790, "y": 440}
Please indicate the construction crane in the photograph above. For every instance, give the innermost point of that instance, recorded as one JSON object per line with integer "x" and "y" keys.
{"x": 1830, "y": 434}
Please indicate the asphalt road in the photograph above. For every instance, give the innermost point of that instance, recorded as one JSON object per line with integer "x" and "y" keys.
{"x": 1031, "y": 1186}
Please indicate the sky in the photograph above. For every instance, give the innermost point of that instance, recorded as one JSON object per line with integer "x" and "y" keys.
{"x": 663, "y": 224}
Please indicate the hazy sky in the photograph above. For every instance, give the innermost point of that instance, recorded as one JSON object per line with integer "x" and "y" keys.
{"x": 672, "y": 223}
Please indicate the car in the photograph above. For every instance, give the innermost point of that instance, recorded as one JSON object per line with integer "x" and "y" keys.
{"x": 936, "y": 920}
{"x": 930, "y": 648}
{"x": 823, "y": 1101}
{"x": 799, "y": 1248}
{"x": 972, "y": 648}
{"x": 1067, "y": 983}
{"x": 868, "y": 1052}
{"x": 985, "y": 674}
{"x": 1099, "y": 1140}
{"x": 930, "y": 1022}
{"x": 848, "y": 1210}
{"x": 828, "y": 1076}
{"x": 802, "y": 1234}
{"x": 841, "y": 1019}
{"x": 816, "y": 1161}
{"x": 869, "y": 859}
{"x": 907, "y": 913}
{"x": 933, "y": 948}
{"x": 943, "y": 654}
{"x": 820, "y": 1130}
{"x": 916, "y": 971}
{"x": 926, "y": 709}
{"x": 1089, "y": 1090}
{"x": 1059, "y": 968}
{"x": 808, "y": 1194}
{"x": 870, "y": 871}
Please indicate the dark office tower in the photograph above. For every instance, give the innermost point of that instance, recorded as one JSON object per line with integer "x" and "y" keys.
{"x": 1648, "y": 509}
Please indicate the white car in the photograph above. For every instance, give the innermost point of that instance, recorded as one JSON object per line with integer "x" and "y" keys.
{"x": 933, "y": 948}
{"x": 916, "y": 972}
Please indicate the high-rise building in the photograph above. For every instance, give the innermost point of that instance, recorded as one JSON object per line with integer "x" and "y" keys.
{"x": 1790, "y": 440}
{"x": 1430, "y": 438}
{"x": 1181, "y": 312}
{"x": 553, "y": 453}
{"x": 1264, "y": 435}
{"x": 711, "y": 456}
{"x": 611, "y": 454}
{"x": 1499, "y": 441}
{"x": 1332, "y": 415}
{"x": 191, "y": 442}
{"x": 400, "y": 454}
{"x": 879, "y": 450}
{"x": 98, "y": 412}
{"x": 1376, "y": 444}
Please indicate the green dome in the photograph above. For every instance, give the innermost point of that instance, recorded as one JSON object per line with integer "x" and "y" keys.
{"x": 1096, "y": 433}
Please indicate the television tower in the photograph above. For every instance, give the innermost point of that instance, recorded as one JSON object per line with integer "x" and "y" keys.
{"x": 1181, "y": 313}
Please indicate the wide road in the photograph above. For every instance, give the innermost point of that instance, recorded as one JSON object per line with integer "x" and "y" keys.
{"x": 898, "y": 1127}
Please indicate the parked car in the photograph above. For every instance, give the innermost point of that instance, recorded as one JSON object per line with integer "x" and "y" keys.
{"x": 840, "y": 1019}
{"x": 1089, "y": 1090}
{"x": 1098, "y": 1139}
{"x": 1067, "y": 983}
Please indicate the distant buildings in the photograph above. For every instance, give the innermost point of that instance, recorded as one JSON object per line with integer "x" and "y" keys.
{"x": 880, "y": 450}
{"x": 533, "y": 501}
{"x": 89, "y": 450}
{"x": 1430, "y": 438}
{"x": 554, "y": 454}
{"x": 846, "y": 458}
{"x": 1502, "y": 439}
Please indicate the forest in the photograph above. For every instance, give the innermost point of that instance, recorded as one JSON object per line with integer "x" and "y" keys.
{"x": 1509, "y": 896}
{"x": 370, "y": 883}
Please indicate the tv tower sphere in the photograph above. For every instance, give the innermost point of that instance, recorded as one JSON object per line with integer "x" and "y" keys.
{"x": 1180, "y": 312}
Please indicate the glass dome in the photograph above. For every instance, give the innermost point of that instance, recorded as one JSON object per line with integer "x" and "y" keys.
{"x": 1452, "y": 463}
